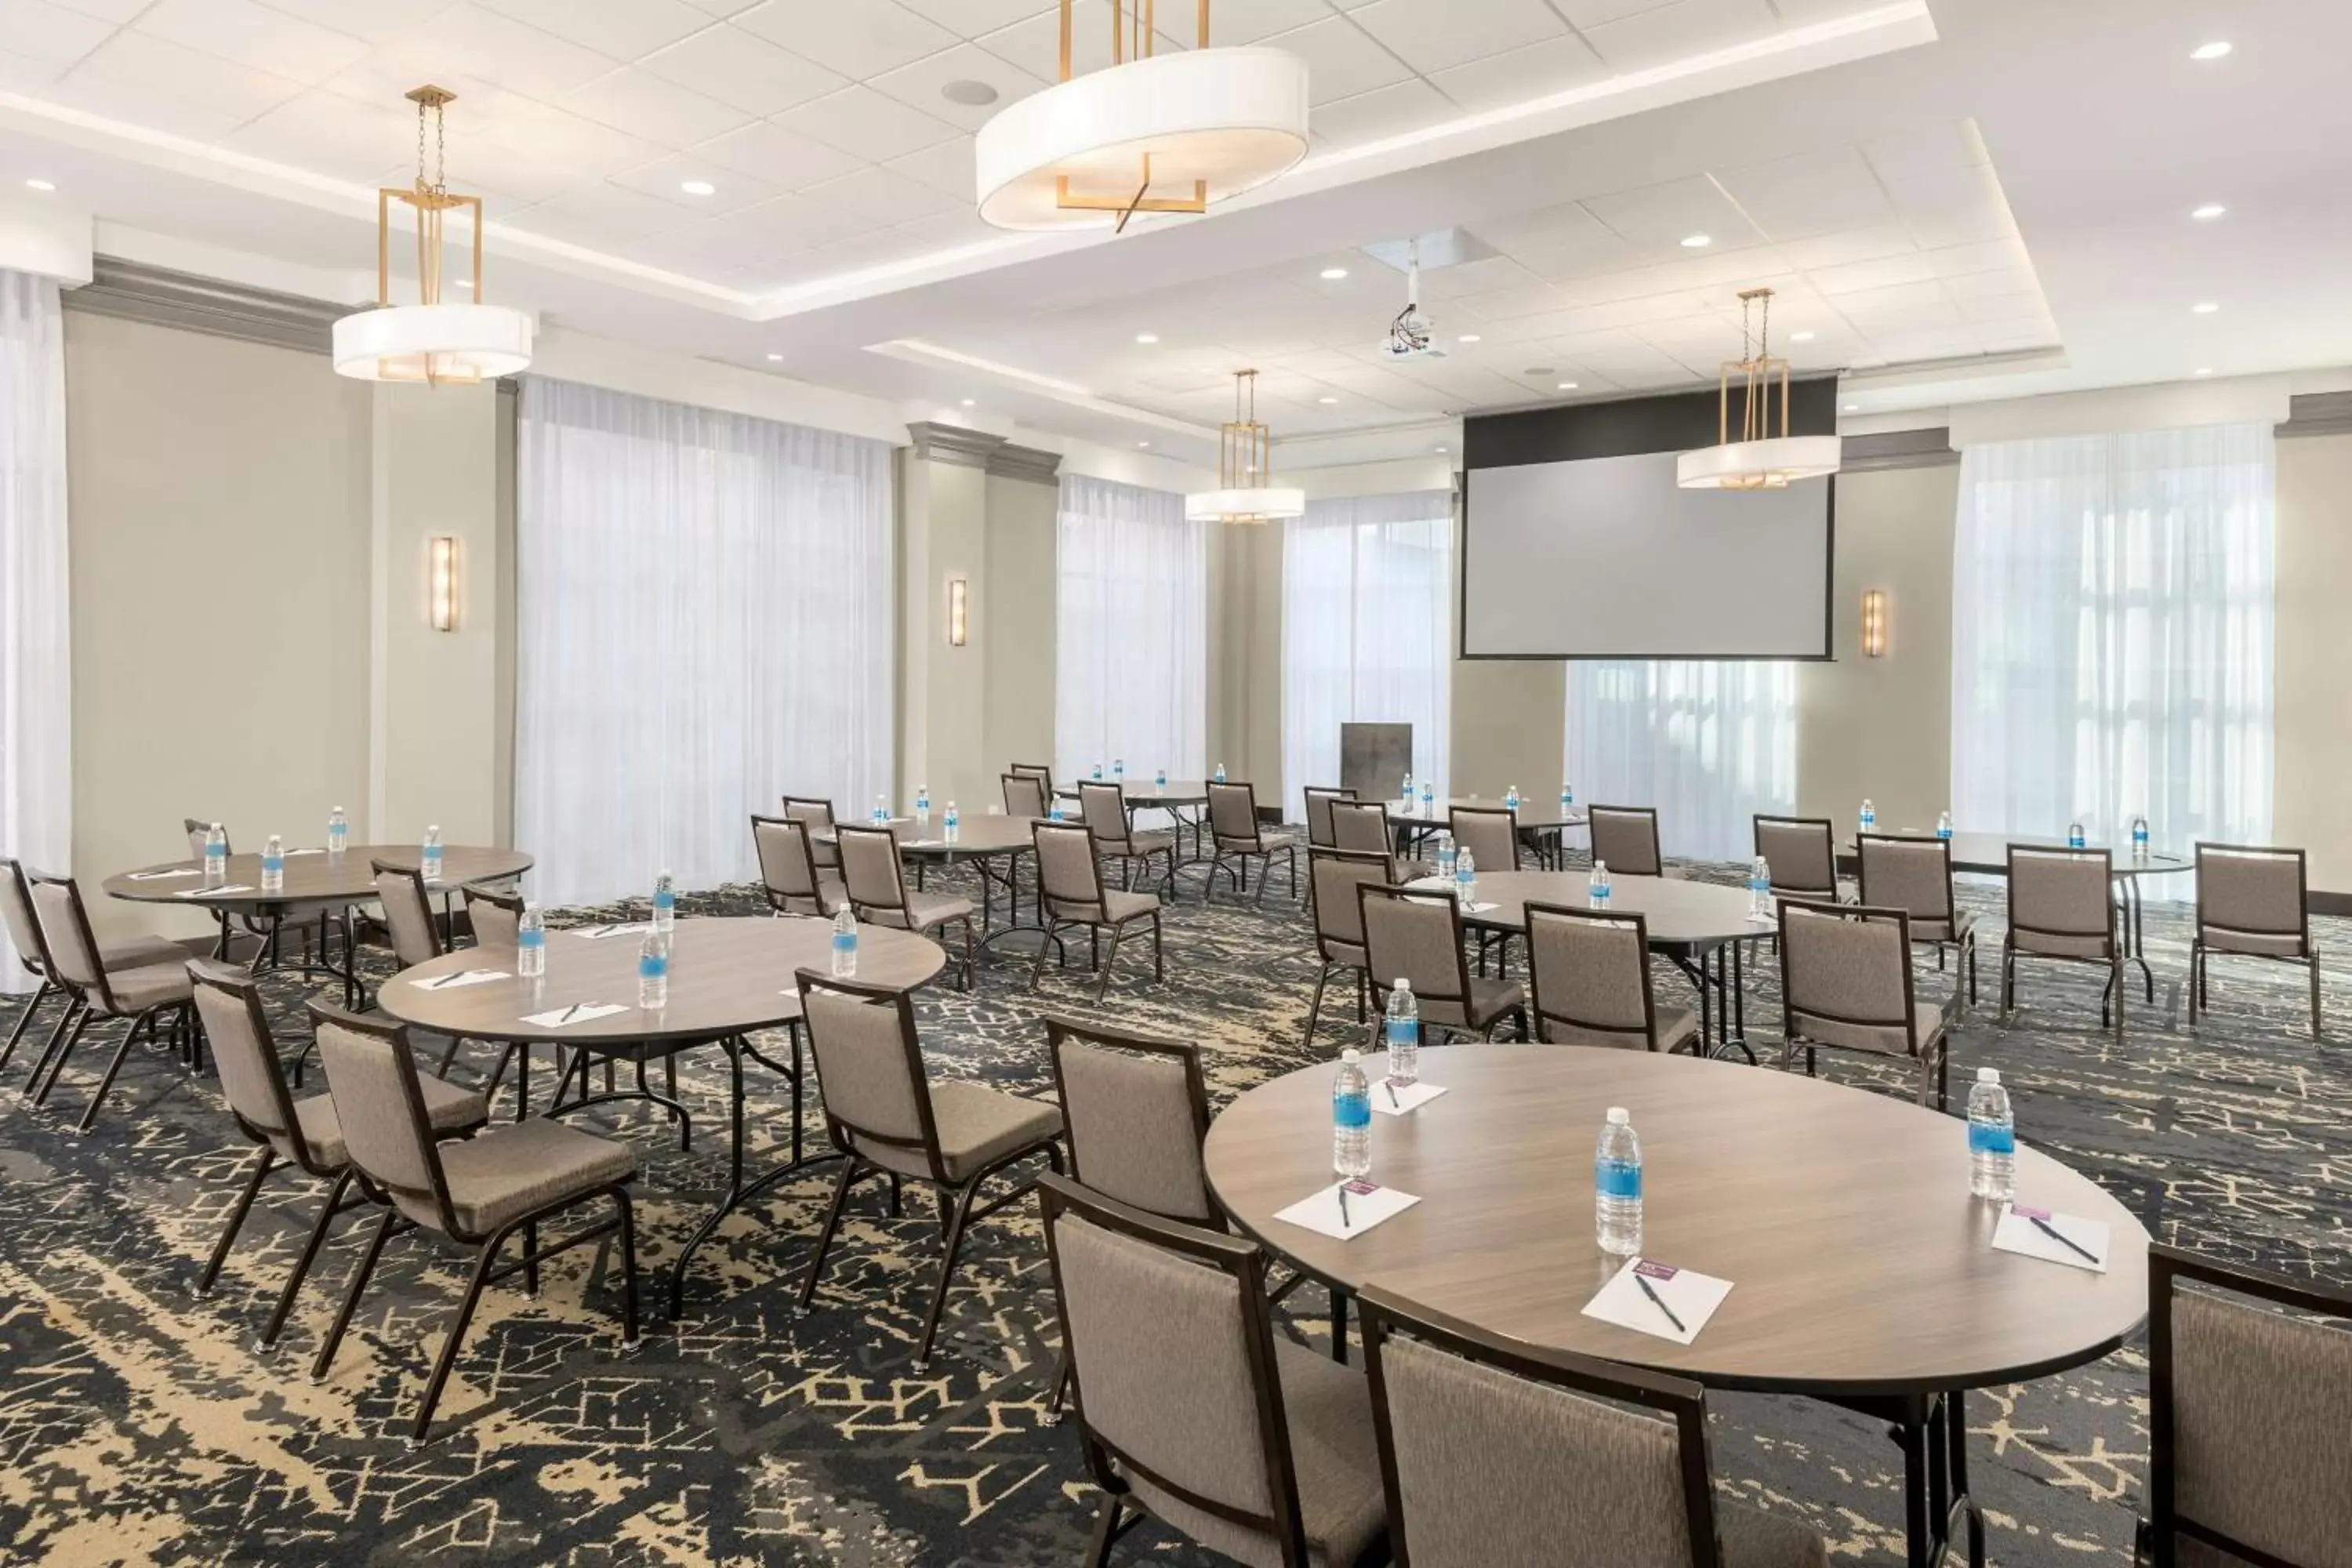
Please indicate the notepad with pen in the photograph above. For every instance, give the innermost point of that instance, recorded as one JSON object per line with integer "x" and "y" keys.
{"x": 1654, "y": 1298}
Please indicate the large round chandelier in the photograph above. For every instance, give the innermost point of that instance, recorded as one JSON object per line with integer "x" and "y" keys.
{"x": 1246, "y": 490}
{"x": 1759, "y": 459}
{"x": 430, "y": 341}
{"x": 1155, "y": 133}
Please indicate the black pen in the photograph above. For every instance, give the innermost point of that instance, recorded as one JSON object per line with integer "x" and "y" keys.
{"x": 2046, "y": 1229}
{"x": 1344, "y": 1221}
{"x": 1389, "y": 1084}
{"x": 567, "y": 1014}
{"x": 1644, "y": 1282}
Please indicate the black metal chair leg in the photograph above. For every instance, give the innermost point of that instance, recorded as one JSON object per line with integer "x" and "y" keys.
{"x": 1314, "y": 1008}
{"x": 57, "y": 1064}
{"x": 1105, "y": 1532}
{"x": 631, "y": 1337}
{"x": 334, "y": 1339}
{"x": 261, "y": 1168}
{"x": 143, "y": 1027}
{"x": 448, "y": 1356}
{"x": 948, "y": 1261}
{"x": 41, "y": 993}
{"x": 824, "y": 1232}
{"x": 1103, "y": 965}
{"x": 293, "y": 1290}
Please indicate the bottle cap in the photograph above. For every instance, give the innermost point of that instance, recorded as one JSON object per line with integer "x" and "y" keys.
{"x": 1618, "y": 1116}
{"x": 1987, "y": 1075}
{"x": 1349, "y": 1054}
{"x": 1403, "y": 984}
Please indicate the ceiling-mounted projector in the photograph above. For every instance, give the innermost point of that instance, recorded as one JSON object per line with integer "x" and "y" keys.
{"x": 1411, "y": 335}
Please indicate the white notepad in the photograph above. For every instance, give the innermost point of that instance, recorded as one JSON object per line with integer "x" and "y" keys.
{"x": 291, "y": 853}
{"x": 1690, "y": 1297}
{"x": 1367, "y": 1206}
{"x": 1403, "y": 1099}
{"x": 598, "y": 933}
{"x": 213, "y": 892}
{"x": 2017, "y": 1233}
{"x": 556, "y": 1017}
{"x": 165, "y": 876}
{"x": 463, "y": 977}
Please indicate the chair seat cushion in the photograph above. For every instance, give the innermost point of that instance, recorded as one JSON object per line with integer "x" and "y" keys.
{"x": 2262, "y": 945}
{"x": 1350, "y": 954}
{"x": 138, "y": 952}
{"x": 448, "y": 1106}
{"x": 1956, "y": 929}
{"x": 1275, "y": 843}
{"x": 1754, "y": 1539}
{"x": 149, "y": 985}
{"x": 1159, "y": 841}
{"x": 2050, "y": 945}
{"x": 1119, "y": 907}
{"x": 978, "y": 1125}
{"x": 1489, "y": 999}
{"x": 513, "y": 1170}
{"x": 929, "y": 910}
{"x": 1887, "y": 1040}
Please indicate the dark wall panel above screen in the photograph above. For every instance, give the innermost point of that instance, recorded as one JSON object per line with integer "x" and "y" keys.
{"x": 1620, "y": 429}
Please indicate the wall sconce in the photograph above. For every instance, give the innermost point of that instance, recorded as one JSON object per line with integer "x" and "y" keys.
{"x": 442, "y": 577}
{"x": 1873, "y": 622}
{"x": 959, "y": 612}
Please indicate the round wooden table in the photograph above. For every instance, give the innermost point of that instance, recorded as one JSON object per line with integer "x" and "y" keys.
{"x": 727, "y": 977}
{"x": 1176, "y": 797}
{"x": 982, "y": 840}
{"x": 1862, "y": 1270}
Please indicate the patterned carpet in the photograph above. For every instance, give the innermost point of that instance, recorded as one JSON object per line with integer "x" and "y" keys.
{"x": 138, "y": 1425}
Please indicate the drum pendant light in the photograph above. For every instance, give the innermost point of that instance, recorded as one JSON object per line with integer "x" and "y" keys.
{"x": 1246, "y": 492}
{"x": 1759, "y": 459}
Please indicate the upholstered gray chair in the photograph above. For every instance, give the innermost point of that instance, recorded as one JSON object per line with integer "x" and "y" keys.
{"x": 1025, "y": 794}
{"x": 1589, "y": 983}
{"x": 1136, "y": 1107}
{"x": 1334, "y": 874}
{"x": 1103, "y": 808}
{"x": 479, "y": 1192}
{"x": 2062, "y": 906}
{"x": 1237, "y": 837}
{"x": 2251, "y": 902}
{"x": 1491, "y": 834}
{"x": 1418, "y": 938}
{"x": 1318, "y": 799}
{"x": 1191, "y": 1409}
{"x": 408, "y": 919}
{"x": 1801, "y": 852}
{"x": 876, "y": 885}
{"x": 816, "y": 816}
{"x": 494, "y": 915}
{"x": 1362, "y": 828}
{"x": 1626, "y": 836}
{"x": 1070, "y": 890}
{"x": 1496, "y": 1452}
{"x": 789, "y": 870}
{"x": 24, "y": 930}
{"x": 301, "y": 1132}
{"x": 886, "y": 1115}
{"x": 142, "y": 999}
{"x": 1845, "y": 983}
{"x": 1914, "y": 875}
{"x": 2250, "y": 1454}
{"x": 1041, "y": 771}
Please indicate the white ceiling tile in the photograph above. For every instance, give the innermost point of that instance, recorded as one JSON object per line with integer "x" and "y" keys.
{"x": 1909, "y": 302}
{"x": 110, "y": 10}
{"x": 798, "y": 223}
{"x": 973, "y": 18}
{"x": 882, "y": 196}
{"x": 1243, "y": 21}
{"x": 1503, "y": 304}
{"x": 598, "y": 215}
{"x": 1679, "y": 31}
{"x": 555, "y": 135}
{"x": 860, "y": 39}
{"x": 1655, "y": 219}
{"x": 923, "y": 84}
{"x": 160, "y": 85}
{"x": 861, "y": 120}
{"x": 1471, "y": 277}
{"x": 373, "y": 20}
{"x": 1884, "y": 273}
{"x": 945, "y": 230}
{"x": 330, "y": 135}
{"x": 1997, "y": 256}
{"x": 1432, "y": 37}
{"x": 723, "y": 7}
{"x": 1981, "y": 285}
{"x": 661, "y": 112}
{"x": 666, "y": 179}
{"x": 745, "y": 69}
{"x": 482, "y": 43}
{"x": 21, "y": 73}
{"x": 1941, "y": 150}
{"x": 1035, "y": 45}
{"x": 772, "y": 153}
{"x": 621, "y": 28}
{"x": 1809, "y": 195}
{"x": 510, "y": 179}
{"x": 1837, "y": 250}
{"x": 37, "y": 30}
{"x": 1519, "y": 75}
{"x": 946, "y": 168}
{"x": 1586, "y": 13}
{"x": 2005, "y": 308}
{"x": 1407, "y": 106}
{"x": 1342, "y": 60}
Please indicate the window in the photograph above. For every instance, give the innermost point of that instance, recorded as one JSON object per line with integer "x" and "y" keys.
{"x": 1131, "y": 632}
{"x": 1366, "y": 632}
{"x": 2112, "y": 605}
{"x": 1708, "y": 743}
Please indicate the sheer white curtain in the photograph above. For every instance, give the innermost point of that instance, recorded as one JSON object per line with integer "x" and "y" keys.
{"x": 2113, "y": 600}
{"x": 35, "y": 647}
{"x": 704, "y": 606}
{"x": 1366, "y": 632}
{"x": 1708, "y": 743}
{"x": 1131, "y": 656}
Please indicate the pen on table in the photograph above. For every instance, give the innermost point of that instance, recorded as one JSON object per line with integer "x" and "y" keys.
{"x": 1661, "y": 1301}
{"x": 568, "y": 1011}
{"x": 2053, "y": 1232}
{"x": 1345, "y": 1222}
{"x": 1389, "y": 1084}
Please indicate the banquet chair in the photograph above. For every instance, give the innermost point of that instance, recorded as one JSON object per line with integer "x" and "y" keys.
{"x": 815, "y": 817}
{"x": 494, "y": 915}
{"x": 1237, "y": 837}
{"x": 876, "y": 885}
{"x": 1914, "y": 875}
{"x": 1801, "y": 854}
{"x": 1333, "y": 876}
{"x": 141, "y": 999}
{"x": 1103, "y": 808}
{"x": 1589, "y": 983}
{"x": 1626, "y": 836}
{"x": 1362, "y": 828}
{"x": 2062, "y": 906}
{"x": 1845, "y": 983}
{"x": 2251, "y": 902}
{"x": 789, "y": 872}
{"x": 1318, "y": 799}
{"x": 1025, "y": 794}
{"x": 1491, "y": 834}
{"x": 1070, "y": 891}
{"x": 24, "y": 929}
{"x": 1417, "y": 937}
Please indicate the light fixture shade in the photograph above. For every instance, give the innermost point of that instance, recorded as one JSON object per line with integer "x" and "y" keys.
{"x": 1758, "y": 465}
{"x": 1087, "y": 152}
{"x": 1257, "y": 503}
{"x": 433, "y": 342}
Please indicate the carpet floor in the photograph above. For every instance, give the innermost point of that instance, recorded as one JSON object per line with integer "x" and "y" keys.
{"x": 137, "y": 1423}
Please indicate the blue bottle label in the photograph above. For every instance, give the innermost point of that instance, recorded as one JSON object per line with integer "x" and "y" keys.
{"x": 1617, "y": 1178}
{"x": 1404, "y": 1031}
{"x": 530, "y": 939}
{"x": 1943, "y": 833}
{"x": 665, "y": 900}
{"x": 845, "y": 941}
{"x": 1991, "y": 1138}
{"x": 1351, "y": 1109}
{"x": 652, "y": 966}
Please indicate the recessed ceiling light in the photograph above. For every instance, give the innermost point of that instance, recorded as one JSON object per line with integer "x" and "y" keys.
{"x": 465, "y": 283}
{"x": 697, "y": 187}
{"x": 1567, "y": 387}
{"x": 1143, "y": 443}
{"x": 1333, "y": 274}
{"x": 1800, "y": 337}
{"x": 2209, "y": 212}
{"x": 1468, "y": 338}
{"x": 775, "y": 359}
{"x": 1440, "y": 449}
{"x": 2204, "y": 369}
{"x": 967, "y": 403}
{"x": 1853, "y": 408}
{"x": 1697, "y": 241}
{"x": 40, "y": 185}
{"x": 1146, "y": 337}
{"x": 2213, "y": 51}
{"x": 971, "y": 93}
{"x": 2203, "y": 308}
{"x": 1327, "y": 400}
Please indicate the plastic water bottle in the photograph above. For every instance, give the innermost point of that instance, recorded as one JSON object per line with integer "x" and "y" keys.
{"x": 665, "y": 902}
{"x": 1566, "y": 797}
{"x": 653, "y": 970}
{"x": 881, "y": 810}
{"x": 1943, "y": 826}
{"x": 2140, "y": 837}
{"x": 923, "y": 805}
{"x": 1869, "y": 817}
{"x": 1759, "y": 889}
{"x": 954, "y": 823}
{"x": 2075, "y": 839}
{"x": 1054, "y": 809}
{"x": 1221, "y": 773}
{"x": 1992, "y": 1139}
{"x": 1445, "y": 854}
{"x": 530, "y": 944}
{"x": 1408, "y": 792}
{"x": 1351, "y": 1117}
{"x": 432, "y": 867}
{"x": 845, "y": 944}
{"x": 1098, "y": 774}
{"x": 1428, "y": 796}
{"x": 1160, "y": 780}
{"x": 339, "y": 832}
{"x": 1465, "y": 878}
{"x": 273, "y": 865}
{"x": 215, "y": 856}
{"x": 1118, "y": 769}
{"x": 1403, "y": 1031}
{"x": 1596, "y": 888}
{"x": 1511, "y": 798}
{"x": 1617, "y": 1186}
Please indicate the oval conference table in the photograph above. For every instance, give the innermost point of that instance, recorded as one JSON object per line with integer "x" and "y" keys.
{"x": 727, "y": 977}
{"x": 1862, "y": 1272}
{"x": 315, "y": 880}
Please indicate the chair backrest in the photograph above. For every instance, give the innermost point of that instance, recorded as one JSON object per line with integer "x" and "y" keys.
{"x": 1333, "y": 876}
{"x": 1137, "y": 1109}
{"x": 1318, "y": 813}
{"x": 496, "y": 915}
{"x": 407, "y": 912}
{"x": 1417, "y": 937}
{"x": 1491, "y": 834}
{"x": 1626, "y": 836}
{"x": 1589, "y": 977}
{"x": 197, "y": 828}
{"x": 2249, "y": 1447}
{"x": 1493, "y": 1452}
{"x": 1232, "y": 816}
{"x": 1043, "y": 774}
{"x": 868, "y": 1057}
{"x": 1069, "y": 877}
{"x": 1846, "y": 964}
{"x": 787, "y": 865}
{"x": 2251, "y": 891}
{"x": 1801, "y": 852}
{"x": 17, "y": 917}
{"x": 1025, "y": 794}
{"x": 229, "y": 1003}
{"x": 870, "y": 871}
{"x": 66, "y": 941}
{"x": 1103, "y": 808}
{"x": 1914, "y": 875}
{"x": 1360, "y": 826}
{"x": 816, "y": 816}
{"x": 372, "y": 1079}
{"x": 1170, "y": 1352}
{"x": 2062, "y": 892}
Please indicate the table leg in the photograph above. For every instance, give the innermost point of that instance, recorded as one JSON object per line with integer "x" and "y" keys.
{"x": 1956, "y": 1422}
{"x": 740, "y": 1191}
{"x": 2135, "y": 935}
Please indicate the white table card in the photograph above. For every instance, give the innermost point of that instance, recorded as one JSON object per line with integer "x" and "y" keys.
{"x": 1403, "y": 1099}
{"x": 598, "y": 933}
{"x": 463, "y": 977}
{"x": 213, "y": 892}
{"x": 1367, "y": 1204}
{"x": 1652, "y": 1297}
{"x": 2053, "y": 1238}
{"x": 166, "y": 875}
{"x": 578, "y": 1012}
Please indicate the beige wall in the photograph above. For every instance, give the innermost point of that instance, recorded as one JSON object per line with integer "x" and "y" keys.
{"x": 2314, "y": 701}
{"x": 219, "y": 518}
{"x": 1244, "y": 721}
{"x": 944, "y": 512}
{"x": 1017, "y": 621}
